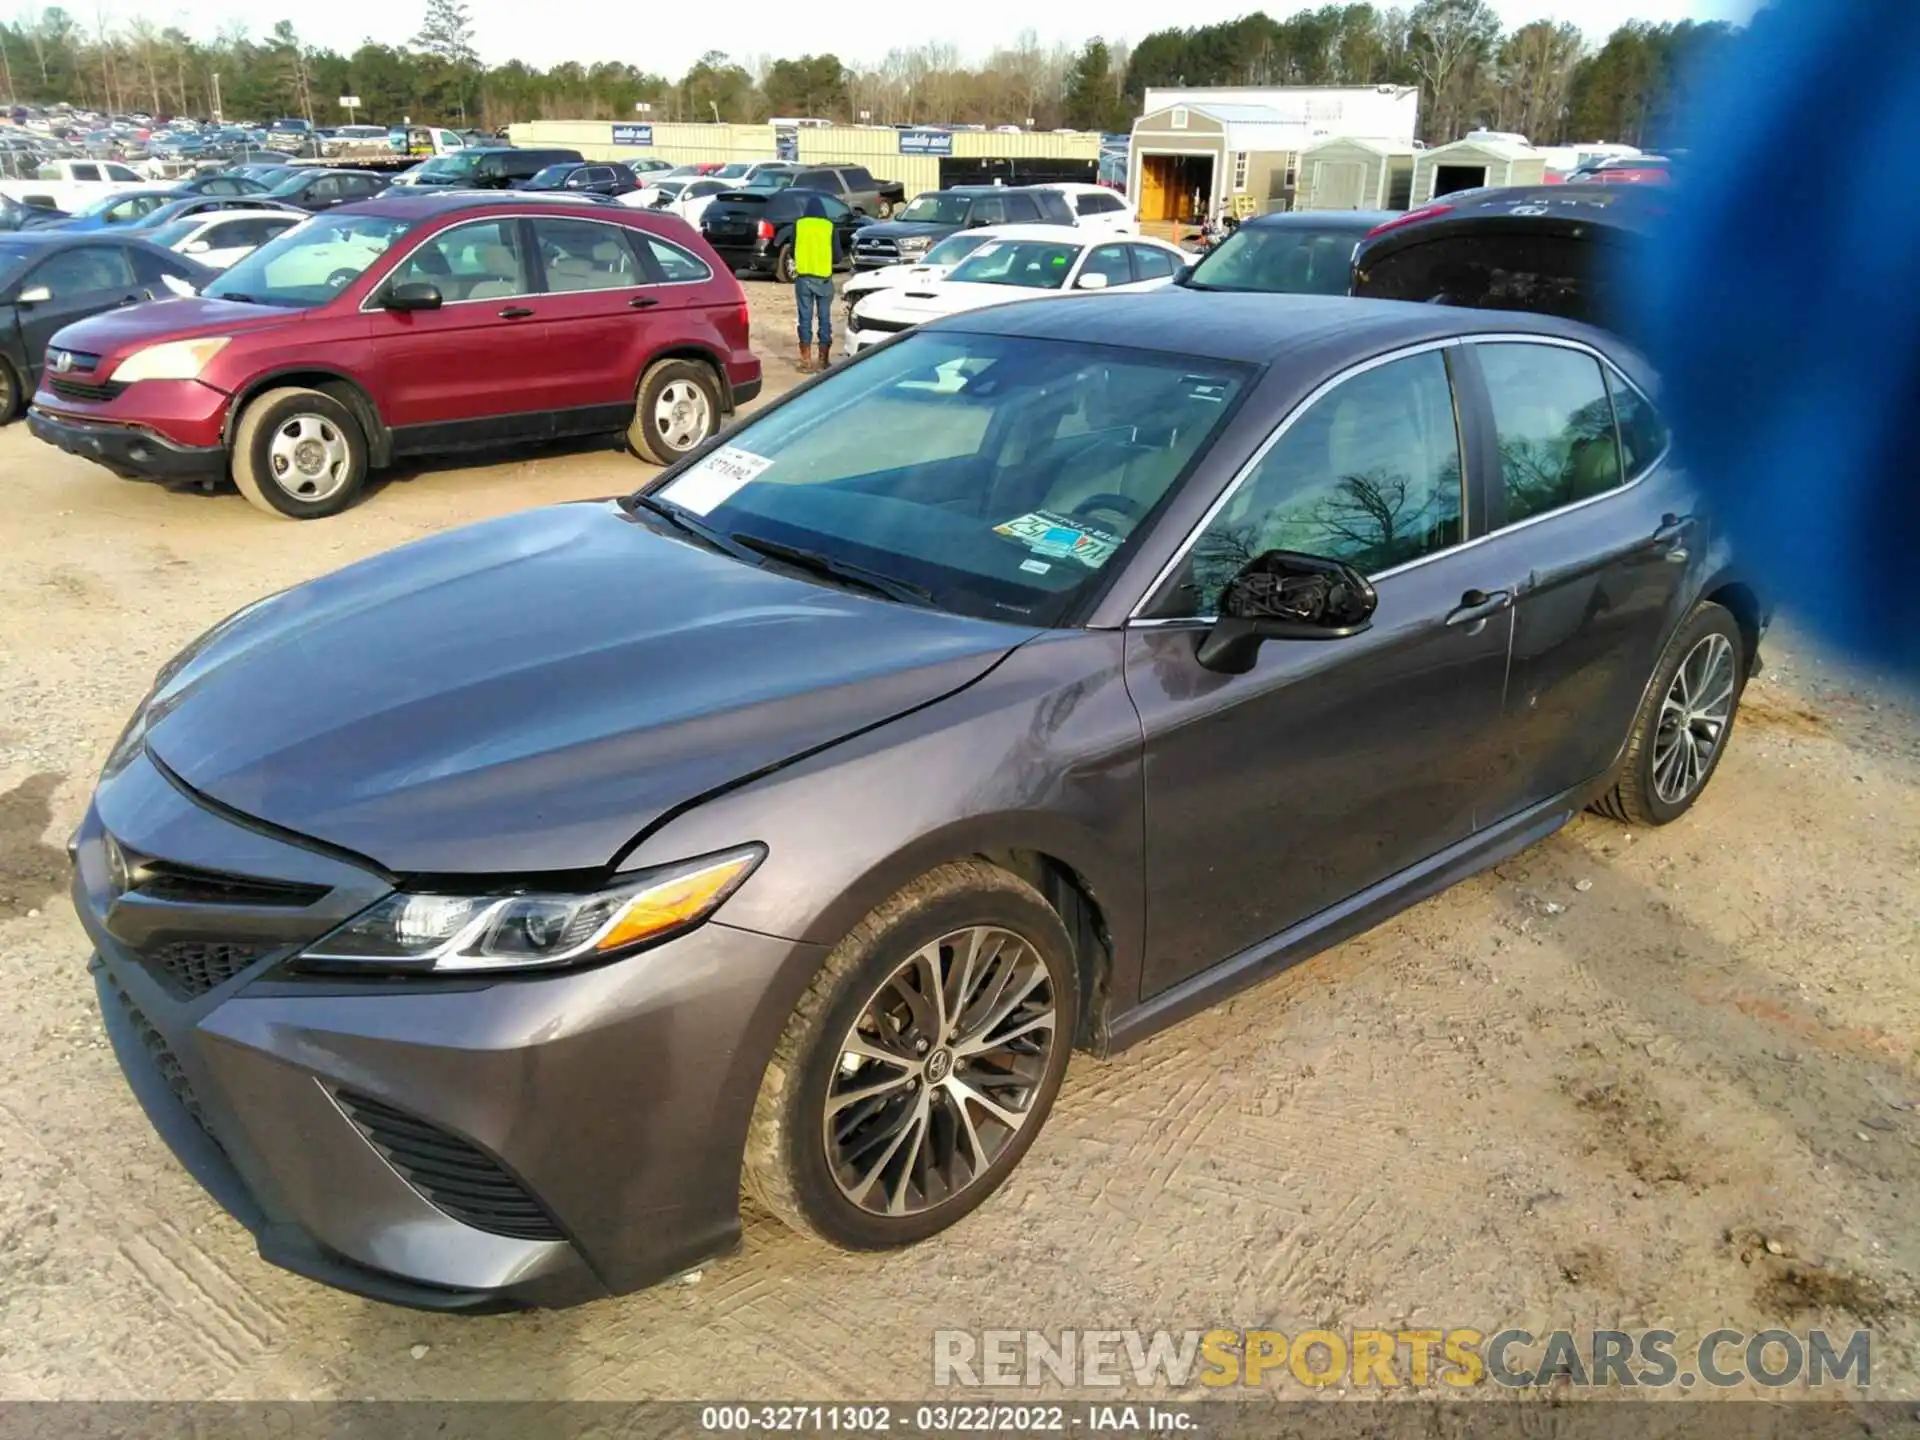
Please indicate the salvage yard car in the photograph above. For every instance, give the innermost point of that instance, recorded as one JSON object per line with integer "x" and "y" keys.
{"x": 1020, "y": 262}
{"x": 410, "y": 324}
{"x": 472, "y": 921}
{"x": 752, "y": 230}
{"x": 934, "y": 265}
{"x": 935, "y": 215}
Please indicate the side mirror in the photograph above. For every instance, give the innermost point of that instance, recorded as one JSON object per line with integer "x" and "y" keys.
{"x": 1185, "y": 273}
{"x": 195, "y": 247}
{"x": 413, "y": 295}
{"x": 1285, "y": 595}
{"x": 33, "y": 295}
{"x": 975, "y": 222}
{"x": 1091, "y": 282}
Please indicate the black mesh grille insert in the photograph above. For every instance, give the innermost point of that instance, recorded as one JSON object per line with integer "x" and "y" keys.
{"x": 188, "y": 885}
{"x": 457, "y": 1176}
{"x": 85, "y": 393}
{"x": 163, "y": 1058}
{"x": 193, "y": 967}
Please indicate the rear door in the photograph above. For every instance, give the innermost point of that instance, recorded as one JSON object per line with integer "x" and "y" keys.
{"x": 1152, "y": 265}
{"x": 81, "y": 281}
{"x": 1598, "y": 543}
{"x": 469, "y": 372}
{"x": 597, "y": 316}
{"x": 325, "y": 192}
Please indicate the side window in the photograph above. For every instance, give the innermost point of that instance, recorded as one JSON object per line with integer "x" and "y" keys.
{"x": 1110, "y": 261}
{"x": 858, "y": 177}
{"x": 480, "y": 261}
{"x": 600, "y": 175}
{"x": 1089, "y": 204}
{"x": 83, "y": 271}
{"x": 122, "y": 174}
{"x": 327, "y": 187}
{"x": 1643, "y": 434}
{"x": 1553, "y": 422}
{"x": 676, "y": 266}
{"x": 836, "y": 209}
{"x": 1370, "y": 475}
{"x": 80, "y": 172}
{"x": 580, "y": 255}
{"x": 991, "y": 210}
{"x": 1152, "y": 263}
{"x": 1021, "y": 207}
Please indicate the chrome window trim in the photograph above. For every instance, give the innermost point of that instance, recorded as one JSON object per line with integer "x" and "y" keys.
{"x": 1495, "y": 338}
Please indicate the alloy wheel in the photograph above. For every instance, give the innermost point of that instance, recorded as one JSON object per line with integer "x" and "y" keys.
{"x": 682, "y": 414}
{"x": 308, "y": 457}
{"x": 1694, "y": 715}
{"x": 939, "y": 1071}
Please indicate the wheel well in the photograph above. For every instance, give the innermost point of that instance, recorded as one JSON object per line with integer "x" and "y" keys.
{"x": 379, "y": 439}
{"x": 1744, "y": 606}
{"x": 701, "y": 357}
{"x": 1067, "y": 891}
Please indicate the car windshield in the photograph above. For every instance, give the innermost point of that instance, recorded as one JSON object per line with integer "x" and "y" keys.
{"x": 732, "y": 172}
{"x": 1031, "y": 264}
{"x": 171, "y": 234}
{"x": 937, "y": 209}
{"x": 989, "y": 475}
{"x": 448, "y": 167}
{"x": 551, "y": 178}
{"x": 1282, "y": 260}
{"x": 954, "y": 249}
{"x": 772, "y": 180}
{"x": 102, "y": 205}
{"x": 311, "y": 263}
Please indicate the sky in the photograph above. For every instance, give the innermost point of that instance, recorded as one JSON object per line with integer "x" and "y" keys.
{"x": 666, "y": 36}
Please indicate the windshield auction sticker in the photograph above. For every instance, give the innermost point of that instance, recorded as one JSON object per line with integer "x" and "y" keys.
{"x": 709, "y": 484}
{"x": 1059, "y": 537}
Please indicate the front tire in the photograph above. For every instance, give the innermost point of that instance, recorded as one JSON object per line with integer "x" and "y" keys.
{"x": 1684, "y": 722}
{"x": 300, "y": 454}
{"x": 10, "y": 391}
{"x": 675, "y": 410}
{"x": 920, "y": 1064}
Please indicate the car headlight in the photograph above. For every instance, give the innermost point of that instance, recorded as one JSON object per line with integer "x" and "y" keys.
{"x": 175, "y": 360}
{"x": 915, "y": 244}
{"x": 420, "y": 932}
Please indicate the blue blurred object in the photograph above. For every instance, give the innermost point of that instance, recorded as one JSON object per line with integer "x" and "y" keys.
{"x": 1785, "y": 313}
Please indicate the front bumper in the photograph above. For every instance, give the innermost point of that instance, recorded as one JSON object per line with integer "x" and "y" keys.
{"x": 130, "y": 451}
{"x": 561, "y": 1138}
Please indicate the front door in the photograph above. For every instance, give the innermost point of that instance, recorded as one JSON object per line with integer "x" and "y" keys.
{"x": 1334, "y": 764}
{"x": 1595, "y": 531}
{"x": 79, "y": 282}
{"x": 467, "y": 372}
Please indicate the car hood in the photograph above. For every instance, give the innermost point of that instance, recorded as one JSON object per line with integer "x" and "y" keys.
{"x": 901, "y": 229}
{"x": 117, "y": 333}
{"x": 888, "y": 277}
{"x": 531, "y": 693}
{"x": 945, "y": 297}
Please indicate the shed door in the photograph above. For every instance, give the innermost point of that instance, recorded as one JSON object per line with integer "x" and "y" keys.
{"x": 1338, "y": 184}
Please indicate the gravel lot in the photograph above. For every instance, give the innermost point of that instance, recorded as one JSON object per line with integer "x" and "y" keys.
{"x": 1583, "y": 1090}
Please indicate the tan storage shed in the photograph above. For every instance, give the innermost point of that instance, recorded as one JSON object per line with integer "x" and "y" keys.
{"x": 1353, "y": 174}
{"x": 1471, "y": 164}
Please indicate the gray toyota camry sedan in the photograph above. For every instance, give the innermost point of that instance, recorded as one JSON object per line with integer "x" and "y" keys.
{"x": 477, "y": 921}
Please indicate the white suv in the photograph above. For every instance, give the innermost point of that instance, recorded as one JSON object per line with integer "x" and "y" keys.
{"x": 1095, "y": 207}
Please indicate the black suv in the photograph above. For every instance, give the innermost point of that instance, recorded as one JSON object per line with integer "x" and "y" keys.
{"x": 940, "y": 213}
{"x": 487, "y": 168}
{"x": 317, "y": 189}
{"x": 604, "y": 178}
{"x": 752, "y": 230}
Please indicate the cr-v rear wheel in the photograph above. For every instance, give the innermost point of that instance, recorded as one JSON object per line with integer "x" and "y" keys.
{"x": 921, "y": 1063}
{"x": 299, "y": 453}
{"x": 1681, "y": 731}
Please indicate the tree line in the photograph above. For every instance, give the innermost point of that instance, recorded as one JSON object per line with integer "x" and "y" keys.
{"x": 1541, "y": 79}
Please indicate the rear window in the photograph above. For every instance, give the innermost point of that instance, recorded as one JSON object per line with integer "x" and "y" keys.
{"x": 1544, "y": 274}
{"x": 1280, "y": 260}
{"x": 937, "y": 209}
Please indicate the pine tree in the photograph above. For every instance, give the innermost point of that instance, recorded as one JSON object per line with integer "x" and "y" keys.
{"x": 447, "y": 33}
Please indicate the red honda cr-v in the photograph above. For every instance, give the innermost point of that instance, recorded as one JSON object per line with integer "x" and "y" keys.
{"x": 414, "y": 323}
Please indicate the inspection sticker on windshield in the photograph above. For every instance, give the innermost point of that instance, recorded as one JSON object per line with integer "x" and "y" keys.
{"x": 1059, "y": 537}
{"x": 712, "y": 482}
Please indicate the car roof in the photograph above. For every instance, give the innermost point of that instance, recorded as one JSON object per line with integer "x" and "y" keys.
{"x": 418, "y": 202}
{"x": 1361, "y": 220}
{"x": 1258, "y": 329}
{"x": 213, "y": 216}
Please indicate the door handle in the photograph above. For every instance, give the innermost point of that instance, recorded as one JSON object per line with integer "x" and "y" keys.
{"x": 1669, "y": 542}
{"x": 1476, "y": 605}
{"x": 642, "y": 302}
{"x": 515, "y": 312}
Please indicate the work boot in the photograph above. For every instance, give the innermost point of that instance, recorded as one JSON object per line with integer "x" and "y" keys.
{"x": 806, "y": 359}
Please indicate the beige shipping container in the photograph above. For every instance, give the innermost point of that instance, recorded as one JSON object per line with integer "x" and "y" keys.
{"x": 1354, "y": 174}
{"x": 673, "y": 142}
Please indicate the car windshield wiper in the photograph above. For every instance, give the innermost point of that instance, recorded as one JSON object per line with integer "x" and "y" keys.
{"x": 688, "y": 523}
{"x": 825, "y": 566}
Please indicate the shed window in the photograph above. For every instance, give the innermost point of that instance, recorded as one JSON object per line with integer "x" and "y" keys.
{"x": 1179, "y": 120}
{"x": 1239, "y": 172}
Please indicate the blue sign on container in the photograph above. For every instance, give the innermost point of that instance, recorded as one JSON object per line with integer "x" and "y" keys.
{"x": 633, "y": 135}
{"x": 926, "y": 142}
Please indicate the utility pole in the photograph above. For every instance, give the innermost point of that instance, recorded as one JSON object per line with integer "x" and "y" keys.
{"x": 217, "y": 116}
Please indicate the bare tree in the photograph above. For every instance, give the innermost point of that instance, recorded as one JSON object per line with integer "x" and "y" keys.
{"x": 1448, "y": 41}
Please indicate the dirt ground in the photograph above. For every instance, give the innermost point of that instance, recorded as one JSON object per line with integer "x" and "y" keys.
{"x": 1583, "y": 1090}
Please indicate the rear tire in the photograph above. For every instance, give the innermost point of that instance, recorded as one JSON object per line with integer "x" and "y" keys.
{"x": 1684, "y": 722}
{"x": 675, "y": 410}
{"x": 875, "y": 1125}
{"x": 299, "y": 454}
{"x": 10, "y": 392}
{"x": 783, "y": 265}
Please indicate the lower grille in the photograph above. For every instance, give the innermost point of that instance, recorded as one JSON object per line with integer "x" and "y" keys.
{"x": 890, "y": 327}
{"x": 457, "y": 1176}
{"x": 876, "y": 252}
{"x": 79, "y": 390}
{"x": 164, "y": 1060}
{"x": 192, "y": 967}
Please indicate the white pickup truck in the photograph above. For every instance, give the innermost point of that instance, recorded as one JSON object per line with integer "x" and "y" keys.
{"x": 71, "y": 184}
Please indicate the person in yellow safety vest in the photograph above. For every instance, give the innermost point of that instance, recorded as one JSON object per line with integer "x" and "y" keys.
{"x": 816, "y": 246}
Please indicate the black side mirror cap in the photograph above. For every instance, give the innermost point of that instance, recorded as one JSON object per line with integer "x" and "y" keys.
{"x": 413, "y": 295}
{"x": 1285, "y": 595}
